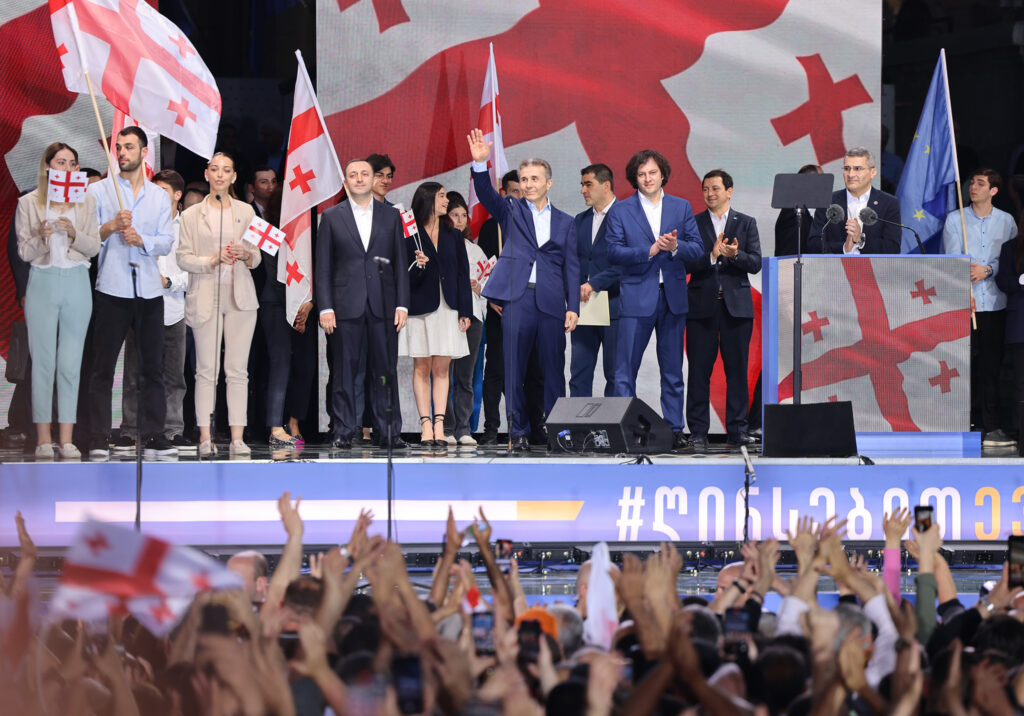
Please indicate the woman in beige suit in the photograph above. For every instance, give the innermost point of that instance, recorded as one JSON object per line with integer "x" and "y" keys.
{"x": 58, "y": 240}
{"x": 221, "y": 298}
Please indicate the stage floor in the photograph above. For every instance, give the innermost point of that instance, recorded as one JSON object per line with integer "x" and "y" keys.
{"x": 540, "y": 497}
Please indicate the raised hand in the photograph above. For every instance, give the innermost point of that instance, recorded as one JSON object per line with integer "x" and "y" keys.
{"x": 803, "y": 541}
{"x": 289, "y": 514}
{"x": 478, "y": 149}
{"x": 895, "y": 526}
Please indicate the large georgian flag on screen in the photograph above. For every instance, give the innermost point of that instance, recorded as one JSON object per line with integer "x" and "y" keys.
{"x": 142, "y": 63}
{"x": 312, "y": 175}
{"x": 110, "y": 570}
{"x": 760, "y": 88}
{"x": 489, "y": 122}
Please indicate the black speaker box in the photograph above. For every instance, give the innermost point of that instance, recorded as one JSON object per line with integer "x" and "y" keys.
{"x": 613, "y": 425}
{"x": 809, "y": 430}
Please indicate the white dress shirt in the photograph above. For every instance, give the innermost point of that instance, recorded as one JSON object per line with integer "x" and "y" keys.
{"x": 598, "y": 220}
{"x": 653, "y": 213}
{"x": 542, "y": 227}
{"x": 853, "y": 206}
{"x": 174, "y": 297}
{"x": 364, "y": 221}
{"x": 718, "y": 224}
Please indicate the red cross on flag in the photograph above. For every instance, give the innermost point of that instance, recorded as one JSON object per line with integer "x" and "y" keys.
{"x": 66, "y": 187}
{"x": 143, "y": 65}
{"x": 112, "y": 570}
{"x": 312, "y": 175}
{"x": 489, "y": 122}
{"x": 262, "y": 234}
{"x": 409, "y": 223}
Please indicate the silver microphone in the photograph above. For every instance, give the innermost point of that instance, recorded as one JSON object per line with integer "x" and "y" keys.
{"x": 748, "y": 463}
{"x": 381, "y": 261}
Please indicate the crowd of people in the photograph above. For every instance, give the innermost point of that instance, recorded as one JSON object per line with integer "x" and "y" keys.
{"x": 161, "y": 268}
{"x": 355, "y": 636}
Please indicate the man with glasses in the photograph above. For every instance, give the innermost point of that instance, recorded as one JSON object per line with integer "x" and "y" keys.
{"x": 852, "y": 236}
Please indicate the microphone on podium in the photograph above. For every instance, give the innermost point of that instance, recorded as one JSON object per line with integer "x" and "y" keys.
{"x": 869, "y": 216}
{"x": 381, "y": 261}
{"x": 835, "y": 214}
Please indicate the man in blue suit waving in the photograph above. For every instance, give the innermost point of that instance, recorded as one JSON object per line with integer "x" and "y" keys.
{"x": 651, "y": 235}
{"x": 535, "y": 281}
{"x": 596, "y": 275}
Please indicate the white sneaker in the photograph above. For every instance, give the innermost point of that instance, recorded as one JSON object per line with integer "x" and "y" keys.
{"x": 239, "y": 449}
{"x": 467, "y": 440}
{"x": 206, "y": 447}
{"x": 69, "y": 452}
{"x": 44, "y": 451}
{"x": 451, "y": 440}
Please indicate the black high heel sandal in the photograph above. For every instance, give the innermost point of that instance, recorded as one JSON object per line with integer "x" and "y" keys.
{"x": 424, "y": 442}
{"x": 438, "y": 442}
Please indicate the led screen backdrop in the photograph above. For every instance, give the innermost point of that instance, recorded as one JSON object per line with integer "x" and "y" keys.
{"x": 755, "y": 87}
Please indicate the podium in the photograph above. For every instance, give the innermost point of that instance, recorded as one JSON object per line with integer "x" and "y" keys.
{"x": 889, "y": 333}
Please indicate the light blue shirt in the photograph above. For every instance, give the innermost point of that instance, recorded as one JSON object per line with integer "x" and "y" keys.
{"x": 151, "y": 217}
{"x": 985, "y": 239}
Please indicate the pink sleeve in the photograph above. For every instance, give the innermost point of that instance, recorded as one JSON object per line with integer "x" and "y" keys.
{"x": 891, "y": 571}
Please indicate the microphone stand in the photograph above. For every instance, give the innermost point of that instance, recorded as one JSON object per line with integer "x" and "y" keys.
{"x": 389, "y": 403}
{"x": 137, "y": 327}
{"x": 872, "y": 217}
{"x": 216, "y": 327}
{"x": 748, "y": 477}
{"x": 798, "y": 269}
{"x": 511, "y": 352}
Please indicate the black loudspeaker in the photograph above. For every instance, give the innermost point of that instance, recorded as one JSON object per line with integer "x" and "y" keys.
{"x": 809, "y": 430}
{"x": 613, "y": 425}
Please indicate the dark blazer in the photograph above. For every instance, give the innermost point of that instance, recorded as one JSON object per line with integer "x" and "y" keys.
{"x": 448, "y": 265}
{"x": 732, "y": 273}
{"x": 629, "y": 239}
{"x": 1008, "y": 281}
{"x": 880, "y": 238}
{"x": 347, "y": 277}
{"x": 595, "y": 268}
{"x": 785, "y": 232}
{"x": 557, "y": 264}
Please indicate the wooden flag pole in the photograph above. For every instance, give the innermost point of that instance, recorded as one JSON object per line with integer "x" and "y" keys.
{"x": 106, "y": 144}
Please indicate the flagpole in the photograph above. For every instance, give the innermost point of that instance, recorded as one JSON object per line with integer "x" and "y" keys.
{"x": 95, "y": 106}
{"x": 492, "y": 69}
{"x": 956, "y": 167}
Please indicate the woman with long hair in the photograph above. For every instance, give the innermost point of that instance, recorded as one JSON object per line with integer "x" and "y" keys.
{"x": 57, "y": 239}
{"x": 221, "y": 298}
{"x": 440, "y": 308}
{"x": 460, "y": 403}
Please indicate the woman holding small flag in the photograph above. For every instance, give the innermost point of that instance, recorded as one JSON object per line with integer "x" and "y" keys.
{"x": 221, "y": 298}
{"x": 57, "y": 233}
{"x": 440, "y": 307}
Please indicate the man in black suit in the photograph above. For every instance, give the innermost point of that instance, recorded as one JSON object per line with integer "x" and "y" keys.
{"x": 853, "y": 237}
{"x": 596, "y": 274}
{"x": 362, "y": 288}
{"x": 786, "y": 226}
{"x": 264, "y": 181}
{"x": 721, "y": 312}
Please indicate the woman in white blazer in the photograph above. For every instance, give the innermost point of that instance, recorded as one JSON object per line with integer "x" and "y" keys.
{"x": 58, "y": 239}
{"x": 221, "y": 298}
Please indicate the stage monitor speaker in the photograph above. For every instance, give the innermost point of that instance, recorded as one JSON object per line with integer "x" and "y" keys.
{"x": 613, "y": 425}
{"x": 809, "y": 430}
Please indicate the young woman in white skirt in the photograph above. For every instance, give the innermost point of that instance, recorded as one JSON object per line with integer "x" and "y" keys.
{"x": 440, "y": 308}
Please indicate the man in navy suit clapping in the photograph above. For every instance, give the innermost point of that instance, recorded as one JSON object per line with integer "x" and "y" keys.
{"x": 651, "y": 235}
{"x": 535, "y": 280}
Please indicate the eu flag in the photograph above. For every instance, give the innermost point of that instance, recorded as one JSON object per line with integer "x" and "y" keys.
{"x": 927, "y": 189}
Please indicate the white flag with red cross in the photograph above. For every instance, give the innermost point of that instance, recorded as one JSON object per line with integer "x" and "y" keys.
{"x": 489, "y": 122}
{"x": 312, "y": 175}
{"x": 142, "y": 63}
{"x": 110, "y": 570}
{"x": 264, "y": 235}
{"x": 66, "y": 187}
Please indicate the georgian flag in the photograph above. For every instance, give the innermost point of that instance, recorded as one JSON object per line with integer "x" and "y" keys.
{"x": 262, "y": 234}
{"x": 489, "y": 122}
{"x": 110, "y": 570}
{"x": 312, "y": 175}
{"x": 66, "y": 187}
{"x": 142, "y": 63}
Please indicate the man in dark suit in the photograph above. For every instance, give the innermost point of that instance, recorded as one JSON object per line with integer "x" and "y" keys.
{"x": 853, "y": 237}
{"x": 786, "y": 225}
{"x": 721, "y": 311}
{"x": 362, "y": 288}
{"x": 596, "y": 275}
{"x": 262, "y": 186}
{"x": 535, "y": 282}
{"x": 651, "y": 235}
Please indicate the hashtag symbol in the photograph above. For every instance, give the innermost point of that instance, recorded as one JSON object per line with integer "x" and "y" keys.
{"x": 630, "y": 516}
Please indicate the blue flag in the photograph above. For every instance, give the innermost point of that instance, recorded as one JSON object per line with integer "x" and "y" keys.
{"x": 927, "y": 189}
